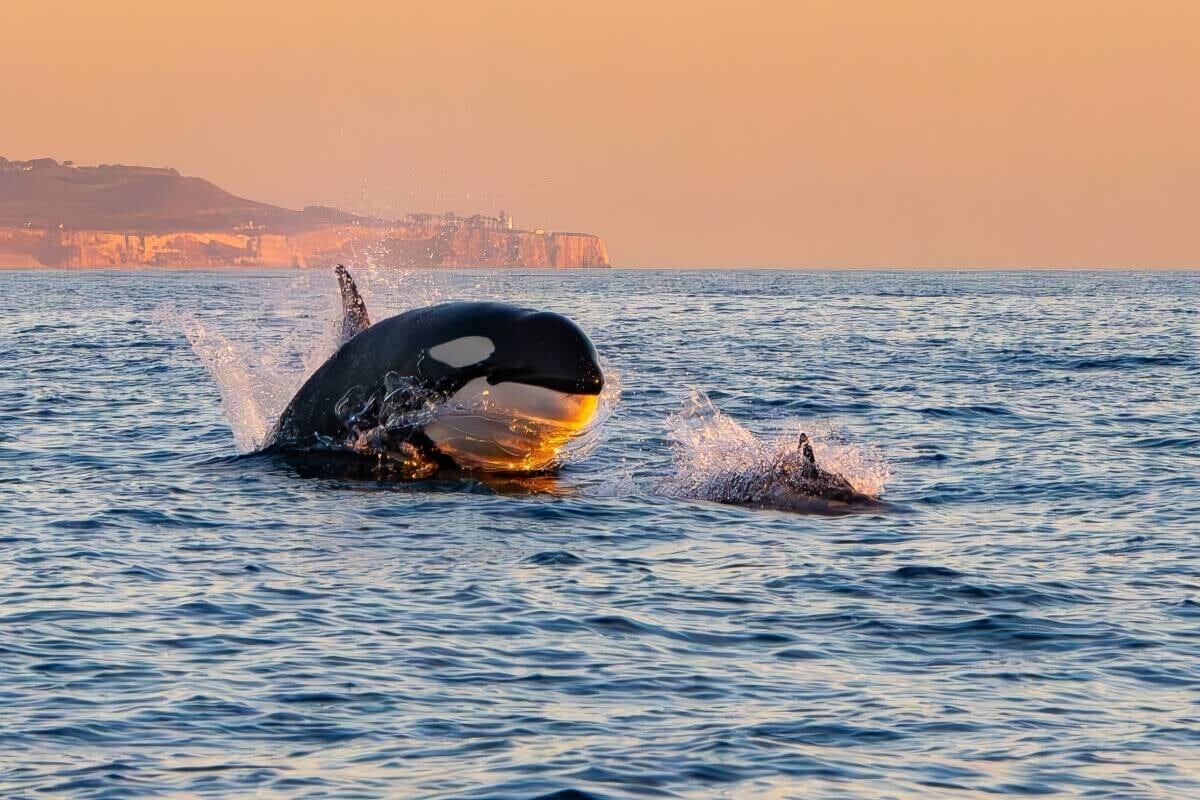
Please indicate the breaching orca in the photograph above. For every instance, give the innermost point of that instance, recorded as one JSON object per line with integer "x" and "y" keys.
{"x": 468, "y": 385}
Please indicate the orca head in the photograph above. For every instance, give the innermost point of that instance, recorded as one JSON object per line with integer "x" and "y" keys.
{"x": 547, "y": 350}
{"x": 527, "y": 383}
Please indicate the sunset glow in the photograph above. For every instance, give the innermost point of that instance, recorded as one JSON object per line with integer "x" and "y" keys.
{"x": 940, "y": 133}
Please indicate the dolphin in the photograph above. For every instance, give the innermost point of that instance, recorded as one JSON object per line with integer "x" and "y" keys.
{"x": 791, "y": 481}
{"x": 461, "y": 385}
{"x": 795, "y": 482}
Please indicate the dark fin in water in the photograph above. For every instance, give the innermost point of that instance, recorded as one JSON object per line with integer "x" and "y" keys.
{"x": 354, "y": 311}
{"x": 806, "y": 448}
{"x": 831, "y": 484}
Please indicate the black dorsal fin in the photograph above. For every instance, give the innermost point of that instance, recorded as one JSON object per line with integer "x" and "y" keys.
{"x": 354, "y": 311}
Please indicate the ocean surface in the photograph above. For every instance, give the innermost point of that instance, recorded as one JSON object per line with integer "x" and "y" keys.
{"x": 1021, "y": 617}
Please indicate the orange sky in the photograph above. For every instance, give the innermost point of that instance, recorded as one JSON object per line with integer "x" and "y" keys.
{"x": 940, "y": 133}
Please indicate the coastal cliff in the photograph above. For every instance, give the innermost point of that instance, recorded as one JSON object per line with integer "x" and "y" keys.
{"x": 59, "y": 215}
{"x": 399, "y": 246}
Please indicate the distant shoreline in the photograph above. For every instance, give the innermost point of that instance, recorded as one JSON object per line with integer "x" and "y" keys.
{"x": 439, "y": 244}
{"x": 112, "y": 215}
{"x": 517, "y": 268}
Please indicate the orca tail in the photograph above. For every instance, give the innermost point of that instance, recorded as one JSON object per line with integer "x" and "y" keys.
{"x": 354, "y": 311}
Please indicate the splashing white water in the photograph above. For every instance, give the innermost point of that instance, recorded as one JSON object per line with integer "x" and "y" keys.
{"x": 248, "y": 399}
{"x": 715, "y": 458}
{"x": 257, "y": 375}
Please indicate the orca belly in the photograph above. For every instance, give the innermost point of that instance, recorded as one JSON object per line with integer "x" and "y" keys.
{"x": 509, "y": 426}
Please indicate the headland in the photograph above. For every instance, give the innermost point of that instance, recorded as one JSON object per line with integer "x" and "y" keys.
{"x": 60, "y": 215}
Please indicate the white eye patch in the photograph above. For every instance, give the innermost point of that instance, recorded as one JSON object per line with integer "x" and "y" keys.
{"x": 463, "y": 351}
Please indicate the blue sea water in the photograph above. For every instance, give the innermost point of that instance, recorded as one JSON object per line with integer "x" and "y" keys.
{"x": 1022, "y": 618}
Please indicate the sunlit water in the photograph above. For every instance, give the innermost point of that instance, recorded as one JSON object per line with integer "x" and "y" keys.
{"x": 1022, "y": 617}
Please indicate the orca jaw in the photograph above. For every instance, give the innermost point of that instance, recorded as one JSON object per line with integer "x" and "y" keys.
{"x": 509, "y": 426}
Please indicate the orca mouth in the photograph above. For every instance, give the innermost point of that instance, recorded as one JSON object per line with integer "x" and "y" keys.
{"x": 589, "y": 380}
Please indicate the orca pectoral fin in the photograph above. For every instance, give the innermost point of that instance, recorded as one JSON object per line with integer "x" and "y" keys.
{"x": 354, "y": 310}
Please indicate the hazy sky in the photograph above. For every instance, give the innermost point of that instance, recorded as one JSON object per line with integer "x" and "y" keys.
{"x": 822, "y": 133}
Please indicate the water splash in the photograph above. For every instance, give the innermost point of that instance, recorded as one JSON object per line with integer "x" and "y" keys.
{"x": 716, "y": 458}
{"x": 227, "y": 363}
{"x": 257, "y": 377}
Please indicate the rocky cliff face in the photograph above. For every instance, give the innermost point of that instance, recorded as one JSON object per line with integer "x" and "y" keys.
{"x": 60, "y": 215}
{"x": 400, "y": 245}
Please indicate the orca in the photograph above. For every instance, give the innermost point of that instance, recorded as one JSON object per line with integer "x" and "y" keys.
{"x": 461, "y": 385}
